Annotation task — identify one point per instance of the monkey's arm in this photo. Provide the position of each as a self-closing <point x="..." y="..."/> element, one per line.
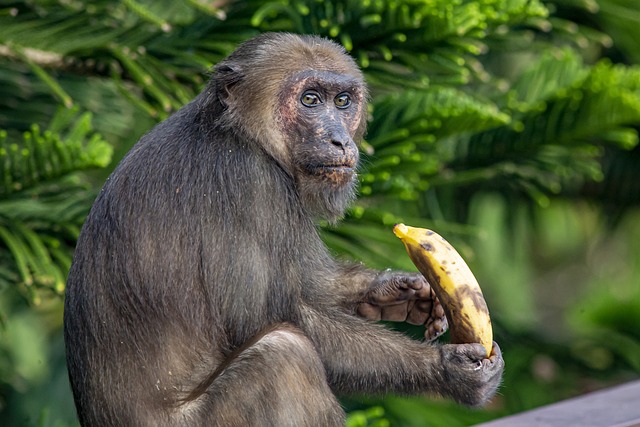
<point x="391" y="296"/>
<point x="363" y="357"/>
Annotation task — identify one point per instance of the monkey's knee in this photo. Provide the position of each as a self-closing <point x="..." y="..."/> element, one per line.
<point x="295" y="380"/>
<point x="291" y="356"/>
<point x="287" y="339"/>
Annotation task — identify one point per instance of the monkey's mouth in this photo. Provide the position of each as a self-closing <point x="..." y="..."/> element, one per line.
<point x="338" y="172"/>
<point x="338" y="168"/>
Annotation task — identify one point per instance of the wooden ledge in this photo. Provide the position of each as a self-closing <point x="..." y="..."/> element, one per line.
<point x="614" y="407"/>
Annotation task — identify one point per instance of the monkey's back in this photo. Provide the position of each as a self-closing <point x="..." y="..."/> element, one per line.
<point x="187" y="249"/>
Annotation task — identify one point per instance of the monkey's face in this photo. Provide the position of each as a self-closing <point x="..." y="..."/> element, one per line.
<point x="303" y="100"/>
<point x="321" y="113"/>
<point x="321" y="116"/>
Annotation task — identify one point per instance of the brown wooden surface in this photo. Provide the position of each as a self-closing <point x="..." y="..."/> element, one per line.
<point x="614" y="407"/>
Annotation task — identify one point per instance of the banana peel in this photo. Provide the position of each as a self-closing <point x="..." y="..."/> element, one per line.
<point x="453" y="282"/>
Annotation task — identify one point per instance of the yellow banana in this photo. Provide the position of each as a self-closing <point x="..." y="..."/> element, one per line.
<point x="453" y="282"/>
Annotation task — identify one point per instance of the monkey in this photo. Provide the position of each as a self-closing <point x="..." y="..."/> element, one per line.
<point x="201" y="293"/>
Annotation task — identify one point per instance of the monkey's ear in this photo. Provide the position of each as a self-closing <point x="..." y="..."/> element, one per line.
<point x="226" y="76"/>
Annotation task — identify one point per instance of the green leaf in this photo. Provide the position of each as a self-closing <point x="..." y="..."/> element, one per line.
<point x="45" y="156"/>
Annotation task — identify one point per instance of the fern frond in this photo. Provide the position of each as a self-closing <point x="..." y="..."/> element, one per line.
<point x="620" y="187"/>
<point x="65" y="202"/>
<point x="417" y="38"/>
<point x="403" y="135"/>
<point x="439" y="111"/>
<point x="42" y="205"/>
<point x="606" y="98"/>
<point x="32" y="256"/>
<point x="555" y="70"/>
<point x="117" y="37"/>
<point x="47" y="155"/>
<point x="621" y="20"/>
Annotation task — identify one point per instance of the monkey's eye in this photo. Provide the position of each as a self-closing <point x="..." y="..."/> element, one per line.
<point x="343" y="100"/>
<point x="310" y="99"/>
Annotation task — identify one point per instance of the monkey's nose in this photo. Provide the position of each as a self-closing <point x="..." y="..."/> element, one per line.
<point x="339" y="142"/>
<point x="340" y="139"/>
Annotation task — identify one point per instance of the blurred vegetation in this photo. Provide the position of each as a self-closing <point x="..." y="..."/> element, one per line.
<point x="510" y="126"/>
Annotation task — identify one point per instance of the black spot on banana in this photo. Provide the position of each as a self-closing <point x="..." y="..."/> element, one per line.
<point x="453" y="283"/>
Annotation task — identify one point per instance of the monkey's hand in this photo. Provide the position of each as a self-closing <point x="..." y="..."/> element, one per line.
<point x="469" y="376"/>
<point x="404" y="297"/>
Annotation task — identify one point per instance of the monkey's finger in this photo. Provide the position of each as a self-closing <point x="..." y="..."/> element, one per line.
<point x="392" y="297"/>
<point x="426" y="306"/>
<point x="435" y="328"/>
<point x="369" y="311"/>
<point x="474" y="352"/>
<point x="494" y="360"/>
<point x="417" y="282"/>
<point x="417" y="317"/>
<point x="394" y="313"/>
<point x="438" y="310"/>
<point x="424" y="293"/>
<point x="496" y="352"/>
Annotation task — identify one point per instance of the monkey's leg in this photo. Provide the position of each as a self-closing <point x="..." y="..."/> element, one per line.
<point x="276" y="380"/>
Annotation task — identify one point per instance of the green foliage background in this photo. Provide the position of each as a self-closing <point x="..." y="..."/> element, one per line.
<point x="510" y="126"/>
